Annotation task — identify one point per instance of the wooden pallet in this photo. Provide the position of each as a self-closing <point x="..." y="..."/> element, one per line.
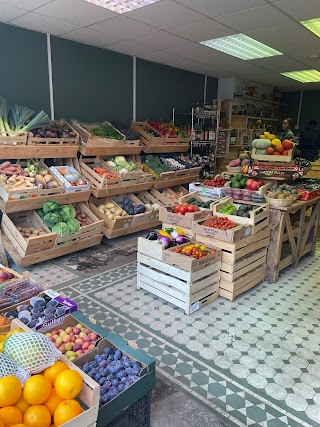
<point x="186" y="290"/>
<point x="50" y="253"/>
<point x="37" y="202"/>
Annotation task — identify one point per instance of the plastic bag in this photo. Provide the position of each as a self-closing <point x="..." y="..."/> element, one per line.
<point x="10" y="367"/>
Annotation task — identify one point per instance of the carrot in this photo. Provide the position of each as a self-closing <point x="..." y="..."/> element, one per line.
<point x="62" y="171"/>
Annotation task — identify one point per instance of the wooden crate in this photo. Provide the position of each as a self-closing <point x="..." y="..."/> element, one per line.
<point x="13" y="138"/>
<point x="166" y="215"/>
<point x="33" y="244"/>
<point x="188" y="263"/>
<point x="55" y="252"/>
<point x="142" y="128"/>
<point x="233" y="235"/>
<point x="174" y="182"/>
<point x="147" y="198"/>
<point x="18" y="193"/>
<point x="133" y="175"/>
<point x="93" y="229"/>
<point x="189" y="291"/>
<point x="232" y="252"/>
<point x="113" y="234"/>
<point x="271" y="158"/>
<point x="100" y="182"/>
<point x="162" y="199"/>
<point x="257" y="221"/>
<point x="163" y="177"/>
<point x="91" y="140"/>
<point x="32" y="140"/>
<point x="89" y="395"/>
<point x="110" y="224"/>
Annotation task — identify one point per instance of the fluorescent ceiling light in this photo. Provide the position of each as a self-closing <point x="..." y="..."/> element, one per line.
<point x="312" y="25"/>
<point x="122" y="6"/>
<point x="241" y="46"/>
<point x="306" y="76"/>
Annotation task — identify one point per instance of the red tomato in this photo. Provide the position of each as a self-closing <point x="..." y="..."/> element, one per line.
<point x="183" y="210"/>
<point x="191" y="208"/>
<point x="176" y="208"/>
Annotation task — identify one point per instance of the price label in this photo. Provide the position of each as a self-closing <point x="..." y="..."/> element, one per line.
<point x="194" y="307"/>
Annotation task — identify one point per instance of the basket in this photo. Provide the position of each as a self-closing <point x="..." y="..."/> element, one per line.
<point x="281" y="203"/>
<point x="234" y="169"/>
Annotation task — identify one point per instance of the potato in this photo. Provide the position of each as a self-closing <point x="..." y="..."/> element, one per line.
<point x="113" y="209"/>
<point x="110" y="216"/>
<point x="109" y="205"/>
<point x="101" y="210"/>
<point x="118" y="212"/>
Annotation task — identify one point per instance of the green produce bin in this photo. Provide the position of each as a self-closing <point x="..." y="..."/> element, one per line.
<point x="132" y="406"/>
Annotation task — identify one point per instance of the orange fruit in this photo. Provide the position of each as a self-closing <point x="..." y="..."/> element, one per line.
<point x="53" y="401"/>
<point x="37" y="416"/>
<point x="66" y="411"/>
<point x="10" y="390"/>
<point x="53" y="371"/>
<point x="36" y="390"/>
<point x="68" y="384"/>
<point x="19" y="425"/>
<point x="11" y="416"/>
<point x="1" y="421"/>
<point x="22" y="405"/>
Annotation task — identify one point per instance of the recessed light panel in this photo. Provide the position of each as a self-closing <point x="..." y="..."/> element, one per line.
<point x="306" y="76"/>
<point x="122" y="6"/>
<point x="241" y="46"/>
<point x="312" y="25"/>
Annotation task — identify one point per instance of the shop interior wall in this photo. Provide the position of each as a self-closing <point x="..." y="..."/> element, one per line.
<point x="90" y="83"/>
<point x="310" y="106"/>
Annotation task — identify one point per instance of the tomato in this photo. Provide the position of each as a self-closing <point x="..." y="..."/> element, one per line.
<point x="176" y="208"/>
<point x="191" y="208"/>
<point x="183" y="210"/>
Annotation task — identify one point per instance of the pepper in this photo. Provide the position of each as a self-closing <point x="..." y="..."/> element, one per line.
<point x="165" y="233"/>
<point x="180" y="231"/>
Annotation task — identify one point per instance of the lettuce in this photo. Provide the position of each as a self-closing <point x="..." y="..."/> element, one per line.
<point x="74" y="226"/>
<point x="67" y="212"/>
<point x="51" y="206"/>
<point x="52" y="218"/>
<point x="61" y="228"/>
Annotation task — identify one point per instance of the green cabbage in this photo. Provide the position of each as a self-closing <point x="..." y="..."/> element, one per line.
<point x="131" y="166"/>
<point x="67" y="212"/>
<point x="52" y="218"/>
<point x="51" y="206"/>
<point x="40" y="213"/>
<point x="61" y="228"/>
<point x="74" y="225"/>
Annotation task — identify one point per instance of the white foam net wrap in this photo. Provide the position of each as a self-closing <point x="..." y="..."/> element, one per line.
<point x="33" y="351"/>
<point x="9" y="367"/>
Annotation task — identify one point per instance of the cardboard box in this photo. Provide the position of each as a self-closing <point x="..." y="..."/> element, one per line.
<point x="166" y="215"/>
<point x="230" y="236"/>
<point x="170" y="256"/>
<point x="206" y="191"/>
<point x="269" y="170"/>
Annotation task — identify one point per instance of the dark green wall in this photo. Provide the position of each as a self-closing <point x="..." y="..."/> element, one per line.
<point x="92" y="84"/>
<point x="24" y="67"/>
<point x="310" y="107"/>
<point x="161" y="88"/>
<point x="89" y="83"/>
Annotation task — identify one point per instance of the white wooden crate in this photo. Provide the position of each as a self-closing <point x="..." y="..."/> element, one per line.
<point x="186" y="290"/>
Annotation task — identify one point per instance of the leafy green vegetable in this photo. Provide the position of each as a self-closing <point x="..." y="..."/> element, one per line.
<point x="51" y="206"/>
<point x="61" y="228"/>
<point x="67" y="212"/>
<point x="74" y="225"/>
<point x="40" y="213"/>
<point x="106" y="131"/>
<point x="52" y="218"/>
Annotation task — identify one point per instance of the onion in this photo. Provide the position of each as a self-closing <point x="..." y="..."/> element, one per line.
<point x="164" y="240"/>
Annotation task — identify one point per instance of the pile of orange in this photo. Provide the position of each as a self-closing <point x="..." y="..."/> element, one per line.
<point x="46" y="400"/>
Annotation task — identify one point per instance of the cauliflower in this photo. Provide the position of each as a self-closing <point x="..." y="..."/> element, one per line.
<point x="120" y="159"/>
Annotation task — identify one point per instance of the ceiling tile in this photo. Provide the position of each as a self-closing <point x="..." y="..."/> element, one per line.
<point x="202" y="30"/>
<point x="26" y="5"/>
<point x="129" y="48"/>
<point x="270" y="35"/>
<point x="300" y="9"/>
<point x="254" y="19"/>
<point x="123" y="27"/>
<point x="221" y="7"/>
<point x="7" y="13"/>
<point x="77" y="12"/>
<point x="161" y="40"/>
<point x="43" y="24"/>
<point x="279" y="64"/>
<point x="300" y="47"/>
<point x="94" y="38"/>
<point x="165" y="15"/>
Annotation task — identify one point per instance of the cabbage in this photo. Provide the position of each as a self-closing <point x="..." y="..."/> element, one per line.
<point x="67" y="212"/>
<point x="131" y="166"/>
<point x="74" y="226"/>
<point x="40" y="213"/>
<point x="120" y="159"/>
<point x="111" y="163"/>
<point x="61" y="228"/>
<point x="123" y="170"/>
<point x="51" y="206"/>
<point x="52" y="218"/>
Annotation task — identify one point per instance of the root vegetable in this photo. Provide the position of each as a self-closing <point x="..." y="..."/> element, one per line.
<point x="5" y="165"/>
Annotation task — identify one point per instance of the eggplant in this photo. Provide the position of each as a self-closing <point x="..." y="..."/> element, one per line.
<point x="139" y="209"/>
<point x="180" y="240"/>
<point x="165" y="241"/>
<point x="153" y="235"/>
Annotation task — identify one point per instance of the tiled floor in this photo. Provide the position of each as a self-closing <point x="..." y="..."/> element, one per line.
<point x="253" y="362"/>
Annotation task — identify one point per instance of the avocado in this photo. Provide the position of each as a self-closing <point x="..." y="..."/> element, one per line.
<point x="239" y="176"/>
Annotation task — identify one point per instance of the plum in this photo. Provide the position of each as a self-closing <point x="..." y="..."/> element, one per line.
<point x="33" y="324"/>
<point x="104" y="399"/>
<point x="103" y="364"/>
<point x="121" y="387"/>
<point x="117" y="355"/>
<point x="107" y="385"/>
<point x="102" y="380"/>
<point x="121" y="374"/>
<point x="114" y="383"/>
<point x="107" y="350"/>
<point x="110" y="377"/>
<point x="103" y="391"/>
<point x="97" y="376"/>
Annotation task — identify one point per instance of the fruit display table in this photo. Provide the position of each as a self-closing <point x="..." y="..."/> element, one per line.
<point x="293" y="235"/>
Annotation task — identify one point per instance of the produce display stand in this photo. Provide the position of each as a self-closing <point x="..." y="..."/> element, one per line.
<point x="51" y="248"/>
<point x="243" y="264"/>
<point x="167" y="148"/>
<point x="293" y="235"/>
